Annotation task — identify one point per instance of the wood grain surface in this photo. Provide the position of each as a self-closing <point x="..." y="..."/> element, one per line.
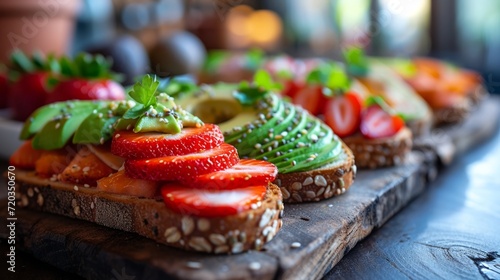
<point x="450" y="232"/>
<point x="325" y="230"/>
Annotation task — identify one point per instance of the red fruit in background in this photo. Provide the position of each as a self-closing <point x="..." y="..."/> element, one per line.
<point x="27" y="94"/>
<point x="343" y="114"/>
<point x="310" y="98"/>
<point x="4" y="91"/>
<point x="292" y="87"/>
<point x="85" y="89"/>
<point x="130" y="145"/>
<point x="247" y="172"/>
<point x="205" y="203"/>
<point x="377" y="123"/>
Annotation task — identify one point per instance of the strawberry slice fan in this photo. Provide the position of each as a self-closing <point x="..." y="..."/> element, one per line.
<point x="201" y="174"/>
<point x="377" y="123"/>
<point x="342" y="114"/>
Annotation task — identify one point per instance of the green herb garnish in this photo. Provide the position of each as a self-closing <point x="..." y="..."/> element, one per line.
<point x="357" y="63"/>
<point x="254" y="58"/>
<point x="214" y="60"/>
<point x="248" y="94"/>
<point x="332" y="77"/>
<point x="155" y="110"/>
<point x="144" y="93"/>
<point x="378" y="100"/>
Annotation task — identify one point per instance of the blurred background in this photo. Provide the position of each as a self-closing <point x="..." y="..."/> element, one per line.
<point x="170" y="37"/>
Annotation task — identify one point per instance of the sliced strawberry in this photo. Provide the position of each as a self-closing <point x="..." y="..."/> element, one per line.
<point x="247" y="172"/>
<point x="85" y="168"/>
<point x="205" y="203"/>
<point x="377" y="123"/>
<point x="120" y="183"/>
<point x="132" y="145"/>
<point x="310" y="98"/>
<point x="184" y="166"/>
<point x="25" y="157"/>
<point x="343" y="114"/>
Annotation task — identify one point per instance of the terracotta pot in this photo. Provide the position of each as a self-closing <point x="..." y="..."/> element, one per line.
<point x="29" y="25"/>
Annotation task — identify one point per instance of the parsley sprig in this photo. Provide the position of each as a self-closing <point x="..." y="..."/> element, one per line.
<point x="144" y="93"/>
<point x="332" y="77"/>
<point x="357" y="63"/>
<point x="248" y="94"/>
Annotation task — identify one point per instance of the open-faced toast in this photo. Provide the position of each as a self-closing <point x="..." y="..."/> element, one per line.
<point x="313" y="163"/>
<point x="147" y="166"/>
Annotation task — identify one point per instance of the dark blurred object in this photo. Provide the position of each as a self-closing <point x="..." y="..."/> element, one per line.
<point x="205" y="19"/>
<point x="137" y="16"/>
<point x="94" y="24"/>
<point x="177" y="54"/>
<point x="234" y="24"/>
<point x="149" y="20"/>
<point x="128" y="54"/>
<point x="32" y="25"/>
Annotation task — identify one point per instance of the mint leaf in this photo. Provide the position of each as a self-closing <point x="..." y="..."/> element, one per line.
<point x="338" y="80"/>
<point x="248" y="96"/>
<point x="334" y="79"/>
<point x="213" y="61"/>
<point x="317" y="76"/>
<point x="135" y="112"/>
<point x="254" y="58"/>
<point x="175" y="88"/>
<point x="244" y="84"/>
<point x="264" y="81"/>
<point x="144" y="92"/>
<point x="357" y="63"/>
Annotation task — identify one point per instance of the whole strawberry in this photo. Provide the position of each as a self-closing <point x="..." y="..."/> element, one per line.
<point x="30" y="90"/>
<point x="86" y="77"/>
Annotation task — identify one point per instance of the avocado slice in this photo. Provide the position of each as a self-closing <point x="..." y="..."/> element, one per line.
<point x="99" y="126"/>
<point x="56" y="133"/>
<point x="168" y="124"/>
<point x="272" y="129"/>
<point x="46" y="113"/>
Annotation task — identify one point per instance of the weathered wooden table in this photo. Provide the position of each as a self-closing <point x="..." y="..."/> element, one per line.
<point x="450" y="231"/>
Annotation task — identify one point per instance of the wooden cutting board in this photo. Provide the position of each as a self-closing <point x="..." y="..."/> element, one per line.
<point x="325" y="230"/>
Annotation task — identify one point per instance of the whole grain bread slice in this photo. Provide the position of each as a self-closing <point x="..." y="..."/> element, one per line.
<point x="381" y="152"/>
<point x="152" y="219"/>
<point x="458" y="112"/>
<point x="321" y="183"/>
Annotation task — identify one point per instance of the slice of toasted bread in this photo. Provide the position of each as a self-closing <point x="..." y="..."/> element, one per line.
<point x="318" y="184"/>
<point x="374" y="153"/>
<point x="400" y="96"/>
<point x="459" y="111"/>
<point x="151" y="218"/>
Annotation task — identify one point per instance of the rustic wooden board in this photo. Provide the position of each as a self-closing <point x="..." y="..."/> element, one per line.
<point x="326" y="230"/>
<point x="448" y="232"/>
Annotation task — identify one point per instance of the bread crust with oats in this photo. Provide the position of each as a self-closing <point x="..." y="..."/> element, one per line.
<point x="150" y="217"/>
